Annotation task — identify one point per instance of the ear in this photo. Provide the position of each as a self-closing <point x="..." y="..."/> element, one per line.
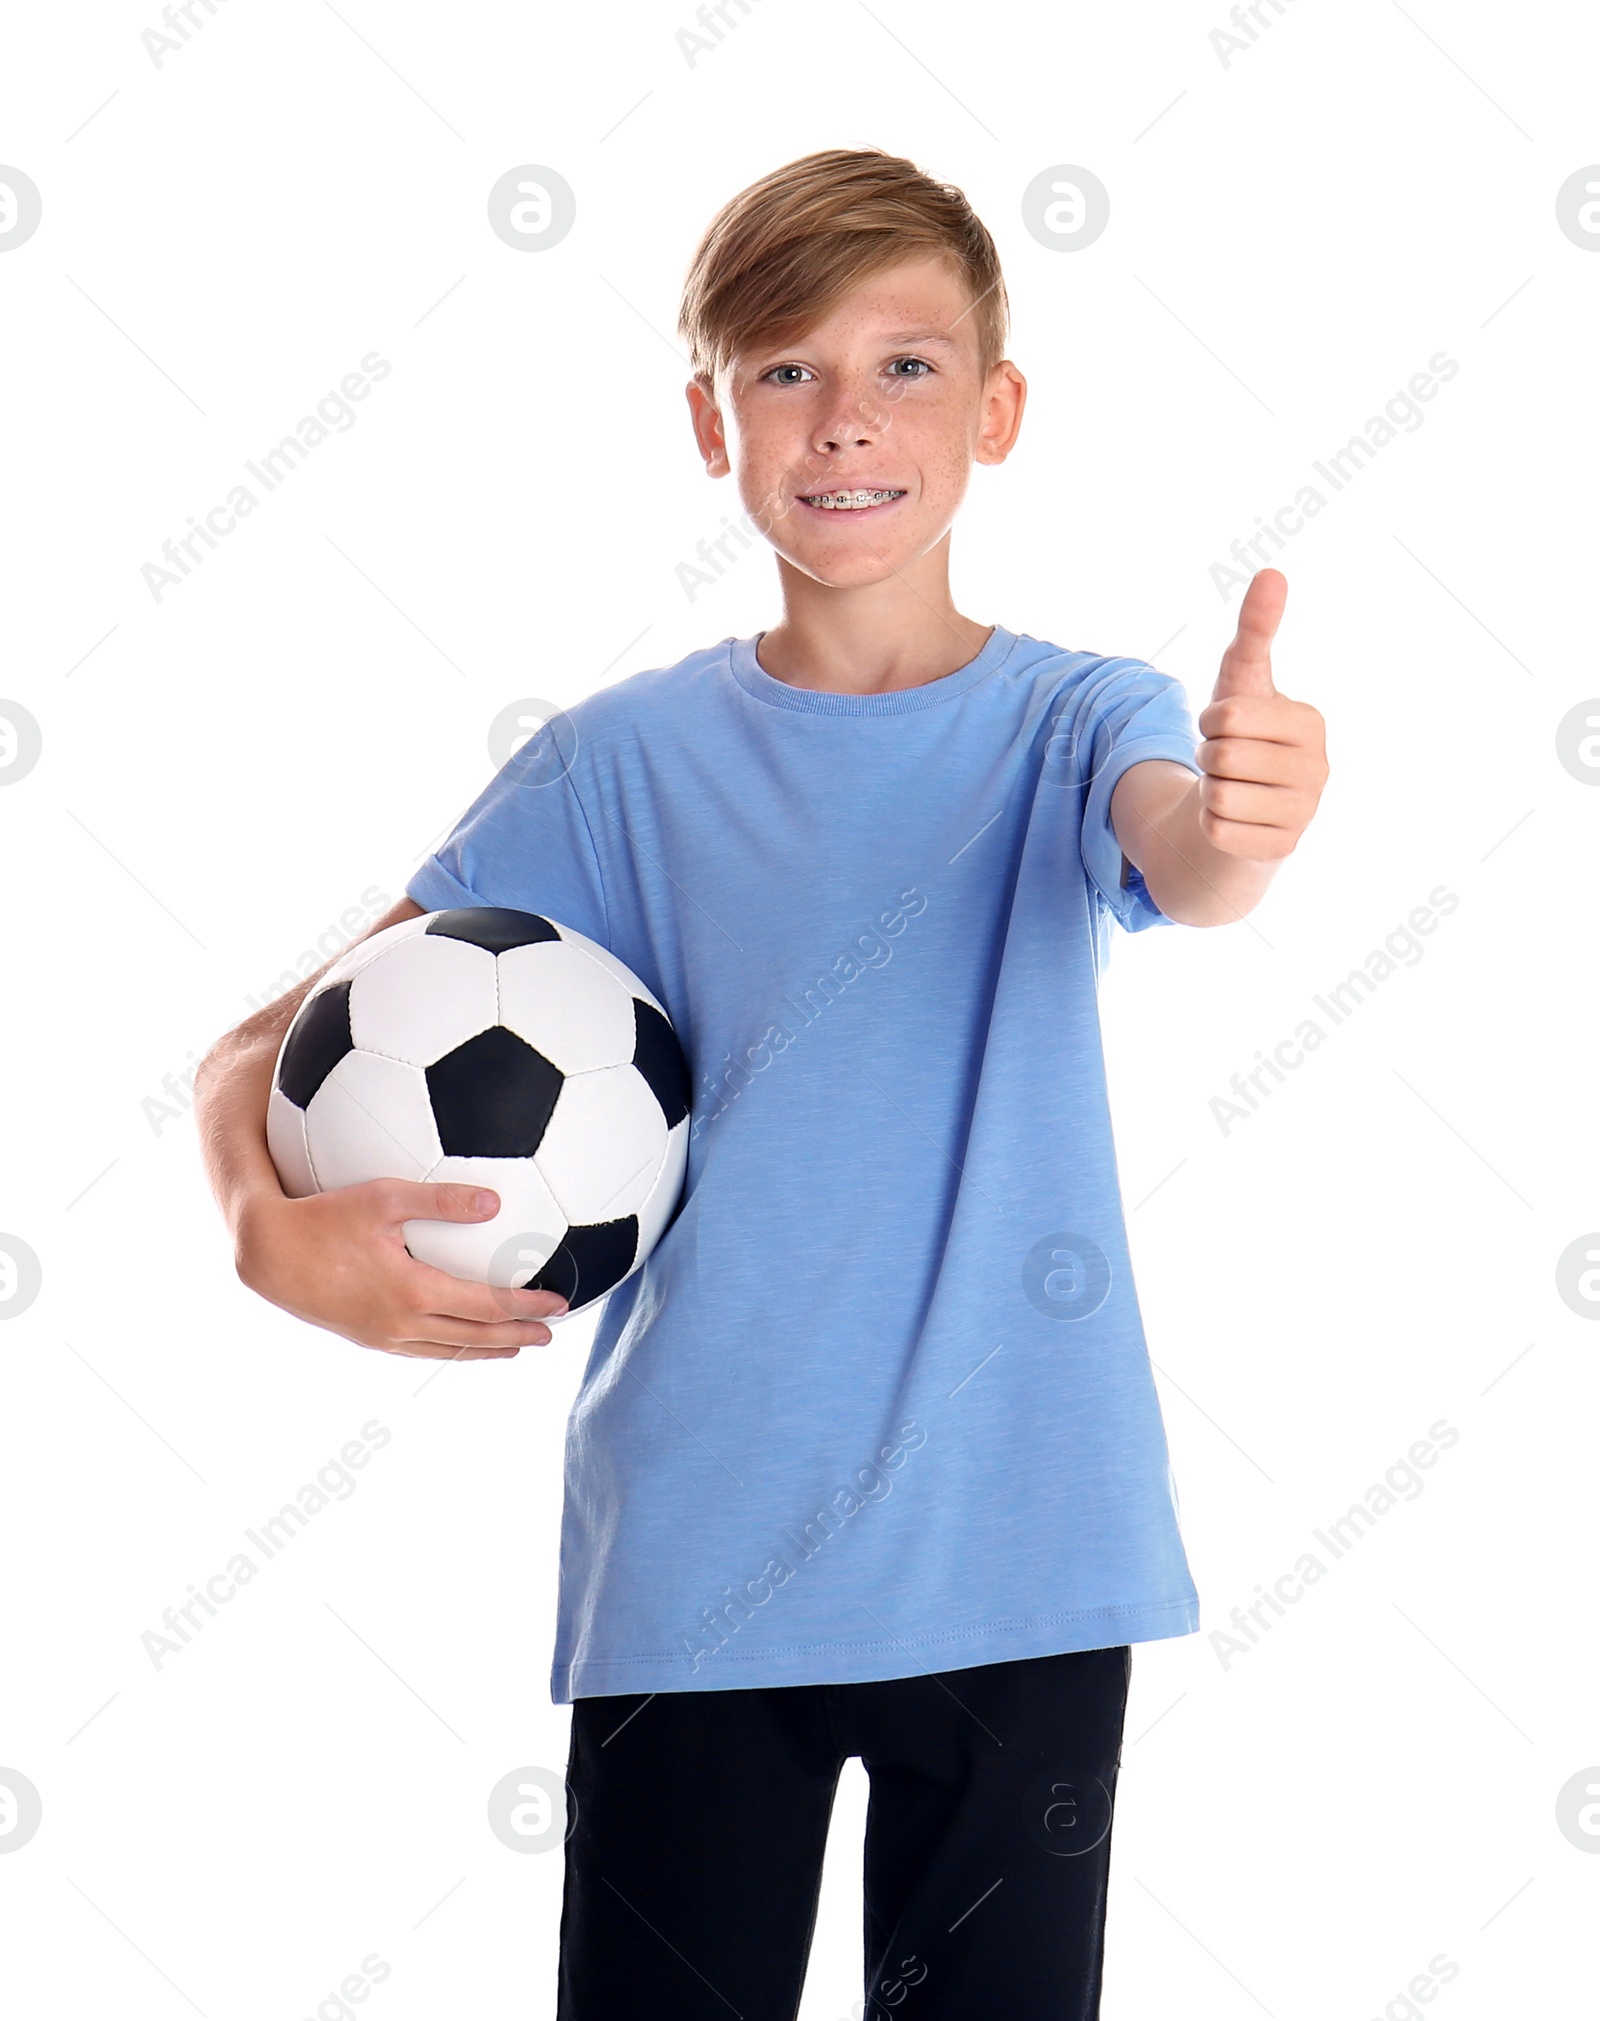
<point x="1005" y="395"/>
<point x="708" y="431"/>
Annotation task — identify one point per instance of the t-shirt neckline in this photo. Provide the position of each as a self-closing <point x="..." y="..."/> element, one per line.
<point x="748" y="671"/>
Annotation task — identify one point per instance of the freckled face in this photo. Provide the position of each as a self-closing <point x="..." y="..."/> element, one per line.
<point x="852" y="447"/>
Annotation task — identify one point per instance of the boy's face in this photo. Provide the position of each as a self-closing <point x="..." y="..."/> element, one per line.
<point x="886" y="395"/>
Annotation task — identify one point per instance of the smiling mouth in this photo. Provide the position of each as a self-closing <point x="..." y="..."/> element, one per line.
<point x="849" y="501"/>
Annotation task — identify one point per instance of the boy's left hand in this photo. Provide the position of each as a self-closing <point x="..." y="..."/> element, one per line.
<point x="1264" y="758"/>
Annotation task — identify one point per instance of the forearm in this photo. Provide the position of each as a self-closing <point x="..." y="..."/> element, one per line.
<point x="230" y="1104"/>
<point x="1190" y="879"/>
<point x="233" y="1082"/>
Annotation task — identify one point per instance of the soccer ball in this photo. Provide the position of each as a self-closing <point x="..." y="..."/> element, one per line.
<point x="493" y="1047"/>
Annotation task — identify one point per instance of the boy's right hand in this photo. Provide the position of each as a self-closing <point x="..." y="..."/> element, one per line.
<point x="339" y="1261"/>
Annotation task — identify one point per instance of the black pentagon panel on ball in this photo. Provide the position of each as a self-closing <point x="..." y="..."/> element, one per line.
<point x="495" y="927"/>
<point x="319" y="1041"/>
<point x="659" y="1057"/>
<point x="590" y="1261"/>
<point x="492" y="1097"/>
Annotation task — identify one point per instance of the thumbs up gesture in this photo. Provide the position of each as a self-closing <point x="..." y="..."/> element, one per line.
<point x="1264" y="759"/>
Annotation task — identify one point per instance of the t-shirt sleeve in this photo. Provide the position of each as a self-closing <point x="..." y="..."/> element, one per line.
<point x="525" y="842"/>
<point x="1130" y="714"/>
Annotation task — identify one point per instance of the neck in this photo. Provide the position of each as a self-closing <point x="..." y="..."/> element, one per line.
<point x="898" y="633"/>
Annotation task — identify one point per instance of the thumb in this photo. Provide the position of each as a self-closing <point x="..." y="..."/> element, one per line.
<point x="1247" y="664"/>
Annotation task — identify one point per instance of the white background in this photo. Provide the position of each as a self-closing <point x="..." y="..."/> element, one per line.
<point x="1294" y="233"/>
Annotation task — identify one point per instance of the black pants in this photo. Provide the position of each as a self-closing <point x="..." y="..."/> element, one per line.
<point x="694" y="1858"/>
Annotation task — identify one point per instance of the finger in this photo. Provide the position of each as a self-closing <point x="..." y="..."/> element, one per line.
<point x="1269" y="719"/>
<point x="438" y="1334"/>
<point x="402" y="1200"/>
<point x="1255" y="842"/>
<point x="1247" y="664"/>
<point x="1249" y="802"/>
<point x="433" y="1200"/>
<point x="463" y="1298"/>
<point x="438" y="1350"/>
<point x="1250" y="758"/>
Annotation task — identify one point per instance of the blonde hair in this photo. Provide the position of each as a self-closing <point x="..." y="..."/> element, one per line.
<point x="781" y="254"/>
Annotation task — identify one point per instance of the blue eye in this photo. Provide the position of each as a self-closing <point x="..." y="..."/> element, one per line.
<point x="926" y="368"/>
<point x="777" y="369"/>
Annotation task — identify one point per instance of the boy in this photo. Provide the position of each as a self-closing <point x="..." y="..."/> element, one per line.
<point x="867" y="1459"/>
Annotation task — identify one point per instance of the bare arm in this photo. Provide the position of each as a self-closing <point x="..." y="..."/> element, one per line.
<point x="1208" y="847"/>
<point x="1157" y="812"/>
<point x="339" y="1259"/>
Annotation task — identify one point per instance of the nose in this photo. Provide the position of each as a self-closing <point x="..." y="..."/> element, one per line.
<point x="852" y="425"/>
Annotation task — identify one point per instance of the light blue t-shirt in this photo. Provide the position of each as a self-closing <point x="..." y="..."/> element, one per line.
<point x="879" y="1403"/>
